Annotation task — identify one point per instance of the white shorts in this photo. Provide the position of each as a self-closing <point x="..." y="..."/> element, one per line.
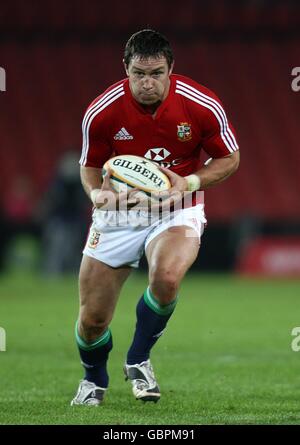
<point x="119" y="239"/>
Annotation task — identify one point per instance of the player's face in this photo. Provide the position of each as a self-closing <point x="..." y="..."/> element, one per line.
<point x="149" y="79"/>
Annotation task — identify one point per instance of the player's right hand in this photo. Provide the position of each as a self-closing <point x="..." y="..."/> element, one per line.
<point x="107" y="198"/>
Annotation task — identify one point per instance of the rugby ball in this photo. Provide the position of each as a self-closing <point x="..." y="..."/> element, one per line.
<point x="136" y="172"/>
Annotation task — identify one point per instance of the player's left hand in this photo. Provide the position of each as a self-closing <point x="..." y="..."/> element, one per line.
<point x="178" y="183"/>
<point x="175" y="194"/>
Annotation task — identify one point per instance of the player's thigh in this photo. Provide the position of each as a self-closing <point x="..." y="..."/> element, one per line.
<point x="100" y="284"/>
<point x="172" y="252"/>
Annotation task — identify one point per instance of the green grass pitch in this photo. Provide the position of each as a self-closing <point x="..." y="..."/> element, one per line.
<point x="225" y="358"/>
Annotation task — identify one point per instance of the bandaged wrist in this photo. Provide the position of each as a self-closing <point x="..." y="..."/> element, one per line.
<point x="193" y="182"/>
<point x="93" y="195"/>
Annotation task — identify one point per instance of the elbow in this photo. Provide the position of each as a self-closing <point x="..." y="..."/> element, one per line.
<point x="235" y="161"/>
<point x="236" y="165"/>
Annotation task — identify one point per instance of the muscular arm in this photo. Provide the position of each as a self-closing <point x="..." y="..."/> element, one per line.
<point x="91" y="179"/>
<point x="214" y="172"/>
<point x="218" y="169"/>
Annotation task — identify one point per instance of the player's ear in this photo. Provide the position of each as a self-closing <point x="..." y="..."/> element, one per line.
<point x="125" y="67"/>
<point x="171" y="68"/>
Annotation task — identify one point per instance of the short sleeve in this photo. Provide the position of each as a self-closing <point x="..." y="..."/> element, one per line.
<point x="95" y="145"/>
<point x="219" y="138"/>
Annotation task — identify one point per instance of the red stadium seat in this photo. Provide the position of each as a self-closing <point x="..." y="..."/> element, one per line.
<point x="50" y="84"/>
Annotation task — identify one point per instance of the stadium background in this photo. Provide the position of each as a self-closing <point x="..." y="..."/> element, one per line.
<point x="58" y="56"/>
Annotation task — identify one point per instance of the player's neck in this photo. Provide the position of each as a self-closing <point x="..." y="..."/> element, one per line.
<point x="152" y="109"/>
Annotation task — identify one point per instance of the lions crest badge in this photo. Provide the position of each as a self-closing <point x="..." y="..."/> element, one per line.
<point x="184" y="131"/>
<point x="93" y="239"/>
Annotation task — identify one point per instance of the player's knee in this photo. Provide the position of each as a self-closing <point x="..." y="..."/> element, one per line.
<point x="164" y="283"/>
<point x="92" y="326"/>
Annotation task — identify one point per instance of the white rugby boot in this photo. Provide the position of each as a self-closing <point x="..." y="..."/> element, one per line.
<point x="144" y="385"/>
<point x="88" y="394"/>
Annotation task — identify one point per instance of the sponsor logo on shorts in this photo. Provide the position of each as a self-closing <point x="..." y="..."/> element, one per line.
<point x="94" y="239"/>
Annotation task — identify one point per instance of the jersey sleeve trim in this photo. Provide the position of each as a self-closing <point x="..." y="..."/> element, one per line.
<point x="208" y="102"/>
<point x="104" y="101"/>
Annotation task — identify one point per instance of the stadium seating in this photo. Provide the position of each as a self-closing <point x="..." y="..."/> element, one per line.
<point x="56" y="16"/>
<point x="51" y="80"/>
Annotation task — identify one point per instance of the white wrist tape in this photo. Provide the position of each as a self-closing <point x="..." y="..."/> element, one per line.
<point x="93" y="195"/>
<point x="193" y="182"/>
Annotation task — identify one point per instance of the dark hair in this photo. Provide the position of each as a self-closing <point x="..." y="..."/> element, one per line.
<point x="148" y="43"/>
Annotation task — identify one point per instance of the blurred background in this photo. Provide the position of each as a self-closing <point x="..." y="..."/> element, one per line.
<point x="232" y="331"/>
<point x="58" y="56"/>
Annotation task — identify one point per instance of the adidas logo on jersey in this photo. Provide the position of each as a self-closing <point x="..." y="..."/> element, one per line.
<point x="123" y="135"/>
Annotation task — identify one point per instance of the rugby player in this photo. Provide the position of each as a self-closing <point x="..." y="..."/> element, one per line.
<point x="168" y="118"/>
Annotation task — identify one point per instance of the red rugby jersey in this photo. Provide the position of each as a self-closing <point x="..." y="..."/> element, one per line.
<point x="191" y="118"/>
